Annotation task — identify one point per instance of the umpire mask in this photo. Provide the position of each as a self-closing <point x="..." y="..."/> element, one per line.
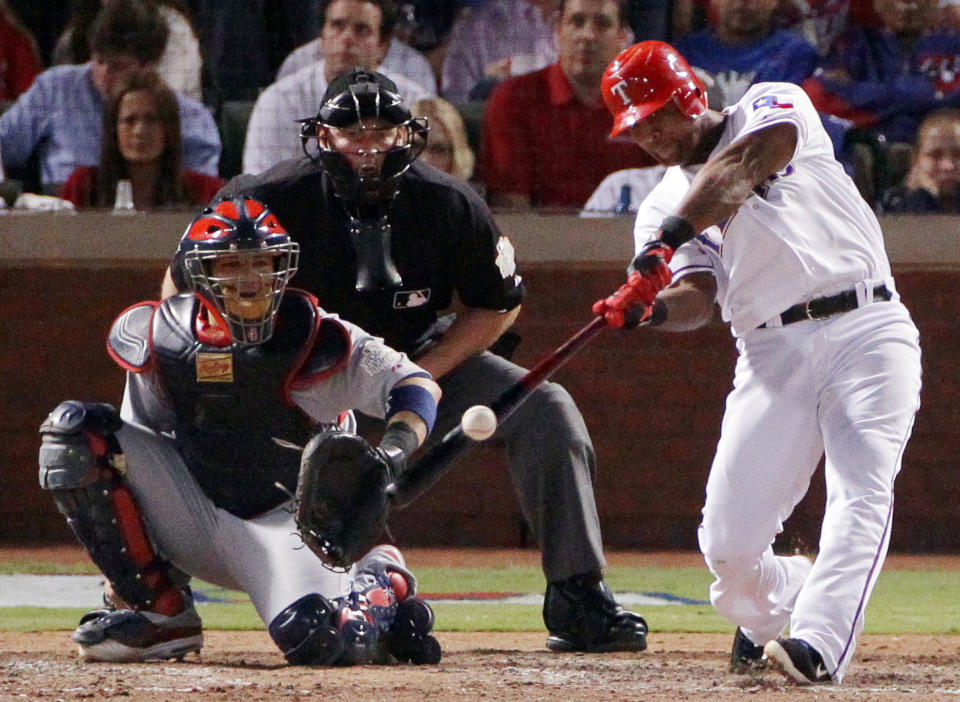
<point x="365" y="138"/>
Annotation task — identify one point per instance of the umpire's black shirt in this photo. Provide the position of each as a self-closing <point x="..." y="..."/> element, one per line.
<point x="444" y="239"/>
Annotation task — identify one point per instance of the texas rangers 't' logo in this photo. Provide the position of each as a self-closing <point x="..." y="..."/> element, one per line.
<point x="620" y="90"/>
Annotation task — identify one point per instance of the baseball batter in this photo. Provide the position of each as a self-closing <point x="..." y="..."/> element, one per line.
<point x="756" y="214"/>
<point x="225" y="382"/>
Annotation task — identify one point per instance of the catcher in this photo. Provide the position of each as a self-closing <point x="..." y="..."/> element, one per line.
<point x="200" y="474"/>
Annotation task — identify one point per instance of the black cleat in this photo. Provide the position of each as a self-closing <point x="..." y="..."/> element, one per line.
<point x="408" y="639"/>
<point x="797" y="660"/>
<point x="581" y="615"/>
<point x="746" y="656"/>
<point x="123" y="635"/>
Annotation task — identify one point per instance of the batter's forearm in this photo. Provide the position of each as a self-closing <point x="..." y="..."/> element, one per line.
<point x="729" y="178"/>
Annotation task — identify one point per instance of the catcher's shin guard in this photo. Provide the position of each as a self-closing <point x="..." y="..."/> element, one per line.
<point x="305" y="632"/>
<point x="82" y="466"/>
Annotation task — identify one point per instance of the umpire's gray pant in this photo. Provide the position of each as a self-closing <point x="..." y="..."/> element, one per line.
<point x="551" y="460"/>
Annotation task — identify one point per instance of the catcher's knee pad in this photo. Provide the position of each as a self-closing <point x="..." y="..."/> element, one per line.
<point x="305" y="633"/>
<point x="82" y="465"/>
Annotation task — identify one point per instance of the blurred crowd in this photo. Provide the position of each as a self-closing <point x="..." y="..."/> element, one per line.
<point x="156" y="103"/>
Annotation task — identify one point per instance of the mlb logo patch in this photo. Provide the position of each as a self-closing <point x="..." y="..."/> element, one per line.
<point x="406" y="299"/>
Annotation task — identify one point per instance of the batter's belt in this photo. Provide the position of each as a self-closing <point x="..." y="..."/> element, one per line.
<point x="824" y="307"/>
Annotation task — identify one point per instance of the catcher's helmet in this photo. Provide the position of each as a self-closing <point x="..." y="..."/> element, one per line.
<point x="247" y="295"/>
<point x="643" y="78"/>
<point x="350" y="102"/>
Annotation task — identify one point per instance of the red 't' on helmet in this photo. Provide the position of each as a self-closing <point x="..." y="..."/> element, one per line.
<point x="643" y="78"/>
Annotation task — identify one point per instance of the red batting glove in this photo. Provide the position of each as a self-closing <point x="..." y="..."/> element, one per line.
<point x="618" y="308"/>
<point x="650" y="275"/>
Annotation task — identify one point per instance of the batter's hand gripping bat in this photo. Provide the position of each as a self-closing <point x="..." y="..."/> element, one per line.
<point x="440" y="459"/>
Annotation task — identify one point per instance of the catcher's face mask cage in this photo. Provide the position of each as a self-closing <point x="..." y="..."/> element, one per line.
<point x="365" y="138"/>
<point x="239" y="259"/>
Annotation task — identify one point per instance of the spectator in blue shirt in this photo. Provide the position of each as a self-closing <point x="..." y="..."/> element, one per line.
<point x="742" y="46"/>
<point x="60" y="118"/>
<point x="887" y="78"/>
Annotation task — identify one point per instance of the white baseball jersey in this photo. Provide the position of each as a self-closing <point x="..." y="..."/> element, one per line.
<point x="846" y="387"/>
<point x="804" y="233"/>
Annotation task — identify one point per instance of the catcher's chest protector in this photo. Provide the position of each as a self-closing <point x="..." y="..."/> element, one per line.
<point x="231" y="403"/>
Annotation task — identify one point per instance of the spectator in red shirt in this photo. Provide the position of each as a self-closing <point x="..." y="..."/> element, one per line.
<point x="141" y="144"/>
<point x="546" y="134"/>
<point x="19" y="59"/>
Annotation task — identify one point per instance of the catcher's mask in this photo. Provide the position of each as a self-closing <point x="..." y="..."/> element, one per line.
<point x="364" y="138"/>
<point x="238" y="258"/>
<point x="643" y="78"/>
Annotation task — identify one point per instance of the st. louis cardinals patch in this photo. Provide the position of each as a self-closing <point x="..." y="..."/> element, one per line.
<point x="377" y="358"/>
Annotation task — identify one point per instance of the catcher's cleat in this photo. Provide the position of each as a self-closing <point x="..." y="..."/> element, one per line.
<point x="368" y="615"/>
<point x="798" y="660"/>
<point x="408" y="639"/>
<point x="581" y="615"/>
<point x="123" y="635"/>
<point x="746" y="656"/>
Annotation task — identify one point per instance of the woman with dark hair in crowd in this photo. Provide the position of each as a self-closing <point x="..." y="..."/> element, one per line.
<point x="141" y="144"/>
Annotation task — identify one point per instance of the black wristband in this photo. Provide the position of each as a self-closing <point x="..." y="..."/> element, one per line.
<point x="658" y="315"/>
<point x="675" y="231"/>
<point x="400" y="435"/>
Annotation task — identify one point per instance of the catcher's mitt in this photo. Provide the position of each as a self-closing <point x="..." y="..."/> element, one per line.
<point x="341" y="500"/>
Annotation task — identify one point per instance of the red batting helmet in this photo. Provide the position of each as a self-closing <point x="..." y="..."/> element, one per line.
<point x="643" y="78"/>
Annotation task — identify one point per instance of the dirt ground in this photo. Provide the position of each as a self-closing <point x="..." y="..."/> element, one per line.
<point x="496" y="666"/>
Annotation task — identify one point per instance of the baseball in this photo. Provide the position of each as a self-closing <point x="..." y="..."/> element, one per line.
<point x="479" y="422"/>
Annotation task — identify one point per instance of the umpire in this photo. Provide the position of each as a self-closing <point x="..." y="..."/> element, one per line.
<point x="413" y="255"/>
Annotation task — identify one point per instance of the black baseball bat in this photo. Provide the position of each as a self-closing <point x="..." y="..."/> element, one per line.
<point x="440" y="458"/>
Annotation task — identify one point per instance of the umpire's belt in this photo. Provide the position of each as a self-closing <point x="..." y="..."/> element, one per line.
<point x="824" y="307"/>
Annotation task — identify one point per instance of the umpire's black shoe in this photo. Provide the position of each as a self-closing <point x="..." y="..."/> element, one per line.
<point x="797" y="660"/>
<point x="746" y="656"/>
<point x="581" y="615"/>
